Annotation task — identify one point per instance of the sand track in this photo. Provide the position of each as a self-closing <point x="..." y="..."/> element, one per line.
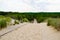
<point x="27" y="32"/>
<point x="33" y="31"/>
<point x="49" y="33"/>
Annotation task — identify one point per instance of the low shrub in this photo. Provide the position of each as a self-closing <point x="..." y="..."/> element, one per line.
<point x="8" y="20"/>
<point x="25" y="20"/>
<point x="16" y="22"/>
<point x="54" y="22"/>
<point x="40" y="19"/>
<point x="3" y="23"/>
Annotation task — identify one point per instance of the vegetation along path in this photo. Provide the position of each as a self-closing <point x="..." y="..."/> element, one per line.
<point x="33" y="31"/>
<point x="49" y="33"/>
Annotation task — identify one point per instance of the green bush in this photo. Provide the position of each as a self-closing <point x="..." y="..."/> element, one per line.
<point x="40" y="19"/>
<point x="2" y="16"/>
<point x="16" y="22"/>
<point x="3" y="23"/>
<point x="25" y="20"/>
<point x="8" y="20"/>
<point x="54" y="22"/>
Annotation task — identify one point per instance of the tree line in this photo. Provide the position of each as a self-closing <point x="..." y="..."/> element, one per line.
<point x="39" y="16"/>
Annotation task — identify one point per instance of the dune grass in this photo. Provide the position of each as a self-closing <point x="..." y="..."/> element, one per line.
<point x="54" y="22"/>
<point x="4" y="21"/>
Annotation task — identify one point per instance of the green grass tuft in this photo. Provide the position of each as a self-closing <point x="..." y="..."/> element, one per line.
<point x="54" y="22"/>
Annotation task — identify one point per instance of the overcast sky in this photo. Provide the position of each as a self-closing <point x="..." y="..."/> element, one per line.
<point x="30" y="5"/>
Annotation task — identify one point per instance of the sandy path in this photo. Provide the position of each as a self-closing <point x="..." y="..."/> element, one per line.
<point x="33" y="31"/>
<point x="49" y="33"/>
<point x="10" y="28"/>
<point x="27" y="32"/>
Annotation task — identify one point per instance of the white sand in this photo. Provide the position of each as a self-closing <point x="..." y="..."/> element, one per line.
<point x="27" y="32"/>
<point x="49" y="33"/>
<point x="33" y="31"/>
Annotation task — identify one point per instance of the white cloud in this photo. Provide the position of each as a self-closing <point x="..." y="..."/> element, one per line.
<point x="16" y="5"/>
<point x="29" y="5"/>
<point x="39" y="1"/>
<point x="52" y="8"/>
<point x="53" y="1"/>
